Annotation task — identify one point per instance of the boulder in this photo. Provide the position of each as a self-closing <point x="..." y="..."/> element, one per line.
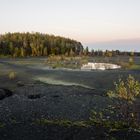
<point x="20" y="84"/>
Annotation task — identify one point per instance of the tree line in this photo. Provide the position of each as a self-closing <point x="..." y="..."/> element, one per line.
<point x="37" y="44"/>
<point x="108" y="53"/>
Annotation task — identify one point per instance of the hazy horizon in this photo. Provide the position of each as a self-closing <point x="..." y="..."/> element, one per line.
<point x="110" y="24"/>
<point x="122" y="45"/>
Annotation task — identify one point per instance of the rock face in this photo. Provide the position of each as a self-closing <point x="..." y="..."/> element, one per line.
<point x="99" y="66"/>
<point x="5" y="93"/>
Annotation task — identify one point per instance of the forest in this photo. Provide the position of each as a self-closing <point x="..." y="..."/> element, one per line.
<point x="37" y="44"/>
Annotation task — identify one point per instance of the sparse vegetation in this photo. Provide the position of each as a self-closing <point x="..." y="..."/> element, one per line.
<point x="66" y="62"/>
<point x="120" y="115"/>
<point x="65" y="123"/>
<point x="126" y="92"/>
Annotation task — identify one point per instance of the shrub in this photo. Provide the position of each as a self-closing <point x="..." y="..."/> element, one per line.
<point x="126" y="93"/>
<point x="12" y="75"/>
<point x="131" y="61"/>
<point x="126" y="90"/>
<point x="122" y="113"/>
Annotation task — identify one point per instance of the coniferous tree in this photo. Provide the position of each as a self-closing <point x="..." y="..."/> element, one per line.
<point x="36" y="44"/>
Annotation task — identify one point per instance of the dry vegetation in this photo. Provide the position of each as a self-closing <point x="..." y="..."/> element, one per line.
<point x="12" y="75"/>
<point x="62" y="61"/>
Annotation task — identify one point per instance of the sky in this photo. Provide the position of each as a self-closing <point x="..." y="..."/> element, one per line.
<point x="99" y="24"/>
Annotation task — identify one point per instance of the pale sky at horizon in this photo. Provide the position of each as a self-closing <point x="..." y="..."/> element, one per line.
<point x="88" y="21"/>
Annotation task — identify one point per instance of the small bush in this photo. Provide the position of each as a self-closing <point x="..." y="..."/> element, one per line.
<point x="12" y="75"/>
<point x="125" y="93"/>
<point x="131" y="61"/>
<point x="122" y="114"/>
<point x="126" y="90"/>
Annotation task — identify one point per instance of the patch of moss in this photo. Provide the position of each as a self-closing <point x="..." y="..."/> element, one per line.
<point x="2" y="125"/>
<point x="65" y="123"/>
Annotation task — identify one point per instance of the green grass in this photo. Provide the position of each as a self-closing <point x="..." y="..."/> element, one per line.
<point x="111" y="125"/>
<point x="135" y="67"/>
<point x="65" y="123"/>
<point x="2" y="125"/>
